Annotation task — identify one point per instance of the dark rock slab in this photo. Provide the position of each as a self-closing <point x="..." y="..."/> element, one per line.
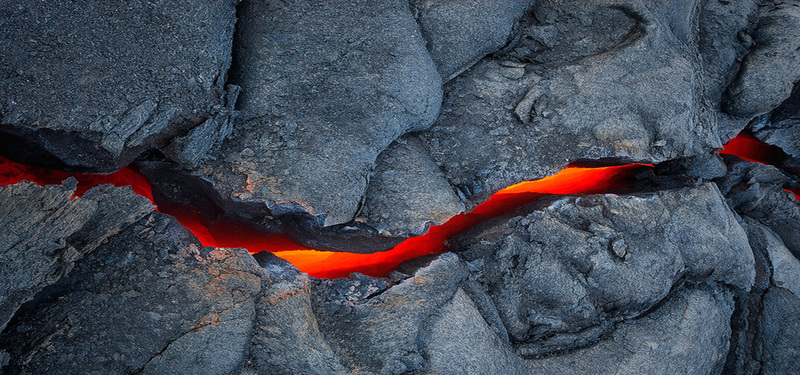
<point x="688" y="334"/>
<point x="780" y="328"/>
<point x="774" y="326"/>
<point x="459" y="33"/>
<point x="757" y="191"/>
<point x="94" y="84"/>
<point x="321" y="98"/>
<point x="45" y="232"/>
<point x="149" y="300"/>
<point x="287" y="339"/>
<point x="378" y="327"/>
<point x="772" y="67"/>
<point x="407" y="192"/>
<point x="560" y="277"/>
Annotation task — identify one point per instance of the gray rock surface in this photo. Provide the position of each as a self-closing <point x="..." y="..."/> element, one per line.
<point x="94" y="84"/>
<point x="381" y="329"/>
<point x="685" y="335"/>
<point x="560" y="277"/>
<point x="149" y="300"/>
<point x="688" y="334"/>
<point x="572" y="89"/>
<point x="287" y="338"/>
<point x="45" y="232"/>
<point x="772" y="67"/>
<point x="459" y="33"/>
<point x="394" y="206"/>
<point x="320" y="100"/>
<point x="756" y="191"/>
<point x="780" y="328"/>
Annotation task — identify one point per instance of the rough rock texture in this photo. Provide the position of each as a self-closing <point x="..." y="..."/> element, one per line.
<point x="45" y="232"/>
<point x="459" y="33"/>
<point x="780" y="328"/>
<point x="149" y="300"/>
<point x="94" y="83"/>
<point x="561" y="277"/>
<point x="382" y="329"/>
<point x="756" y="191"/>
<point x="772" y="66"/>
<point x="768" y="326"/>
<point x="338" y="140"/>
<point x="320" y="100"/>
<point x="572" y="89"/>
<point x="781" y="127"/>
<point x="394" y="206"/>
<point x="287" y="339"/>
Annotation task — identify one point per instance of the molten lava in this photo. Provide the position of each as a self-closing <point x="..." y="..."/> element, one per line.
<point x="330" y="264"/>
<point x="12" y="172"/>
<point x="225" y="232"/>
<point x="748" y="147"/>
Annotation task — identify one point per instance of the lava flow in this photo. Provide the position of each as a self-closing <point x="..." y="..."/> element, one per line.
<point x="329" y="264"/>
<point x="748" y="147"/>
<point x="12" y="172"/>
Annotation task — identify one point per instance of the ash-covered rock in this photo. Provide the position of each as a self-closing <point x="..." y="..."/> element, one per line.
<point x="45" y="232"/>
<point x="94" y="84"/>
<point x="321" y="98"/>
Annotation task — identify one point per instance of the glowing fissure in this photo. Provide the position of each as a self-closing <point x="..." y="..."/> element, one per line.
<point x="224" y="232"/>
<point x="748" y="147"/>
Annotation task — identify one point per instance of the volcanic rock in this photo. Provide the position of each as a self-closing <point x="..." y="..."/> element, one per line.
<point x="770" y="70"/>
<point x="320" y="100"/>
<point x="151" y="299"/>
<point x="756" y="191"/>
<point x="394" y="206"/>
<point x="287" y="338"/>
<point x="382" y="329"/>
<point x="45" y="232"/>
<point x="95" y="84"/>
<point x="572" y="88"/>
<point x="560" y="277"/>
<point x="460" y="33"/>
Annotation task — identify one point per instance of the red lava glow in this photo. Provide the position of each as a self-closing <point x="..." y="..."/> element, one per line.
<point x="12" y="172"/>
<point x="330" y="264"/>
<point x="224" y="232"/>
<point x="749" y="148"/>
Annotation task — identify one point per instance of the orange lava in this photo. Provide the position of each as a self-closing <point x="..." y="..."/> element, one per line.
<point x="330" y="264"/>
<point x="12" y="172"/>
<point x="224" y="232"/>
<point x="749" y="148"/>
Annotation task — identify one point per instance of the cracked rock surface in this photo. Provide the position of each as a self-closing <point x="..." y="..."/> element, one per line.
<point x="352" y="124"/>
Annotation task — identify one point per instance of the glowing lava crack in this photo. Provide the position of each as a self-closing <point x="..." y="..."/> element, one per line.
<point x="329" y="264"/>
